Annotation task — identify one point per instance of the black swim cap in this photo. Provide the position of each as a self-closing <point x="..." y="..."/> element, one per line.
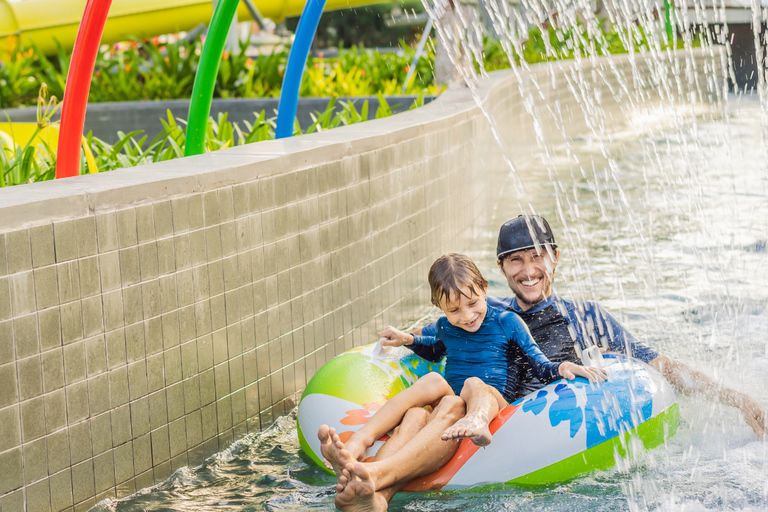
<point x="516" y="235"/>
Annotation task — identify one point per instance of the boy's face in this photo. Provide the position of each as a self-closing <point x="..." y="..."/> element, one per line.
<point x="467" y="311"/>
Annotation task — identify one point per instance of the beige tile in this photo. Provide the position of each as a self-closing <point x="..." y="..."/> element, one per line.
<point x="145" y="223"/>
<point x="228" y="239"/>
<point x="130" y="272"/>
<point x="182" y="252"/>
<point x="218" y="312"/>
<point x="197" y="248"/>
<point x="30" y="377"/>
<point x="85" y="236"/>
<point x="90" y="284"/>
<point x="8" y="385"/>
<point x="123" y="458"/>
<point x="221" y="377"/>
<point x="161" y="450"/>
<point x="172" y="365"/>
<point x="77" y="402"/>
<point x="150" y="294"/>
<point x="38" y="497"/>
<point x="240" y="199"/>
<point x="185" y="292"/>
<point x="191" y="394"/>
<point x="61" y="490"/>
<point x="98" y="394"/>
<point x="209" y="421"/>
<point x="167" y="287"/>
<point x="126" y="227"/>
<point x="137" y="379"/>
<point x="132" y="304"/>
<point x="3" y="256"/>
<point x="58" y="451"/>
<point x="215" y="278"/>
<point x="211" y="208"/>
<point x="166" y="256"/>
<point x="69" y="281"/>
<point x="22" y="293"/>
<point x="207" y="387"/>
<point x="74" y="362"/>
<point x="170" y="329"/>
<point x="104" y="471"/>
<point x="101" y="433"/>
<point x="194" y="429"/>
<point x="118" y="386"/>
<point x="139" y="417"/>
<point x="115" y="347"/>
<point x="155" y="373"/>
<point x="32" y="419"/>
<point x="202" y="318"/>
<point x="55" y="410"/>
<point x="65" y="241"/>
<point x="175" y="400"/>
<point x="148" y="261"/>
<point x="142" y="454"/>
<point x="120" y="418"/>
<point x="93" y="315"/>
<point x="71" y="322"/>
<point x="180" y="214"/>
<point x="82" y="481"/>
<point x="80" y="442"/>
<point x="5" y="299"/>
<point x="106" y="231"/>
<point x="112" y="303"/>
<point x="19" y="251"/>
<point x="25" y="336"/>
<point x="50" y="328"/>
<point x="10" y="428"/>
<point x="200" y="282"/>
<point x="163" y="218"/>
<point x="109" y="271"/>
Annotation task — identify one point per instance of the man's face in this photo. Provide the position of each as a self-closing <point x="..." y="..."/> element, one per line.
<point x="529" y="274"/>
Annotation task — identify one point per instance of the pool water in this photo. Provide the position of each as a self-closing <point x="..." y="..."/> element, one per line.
<point x="668" y="229"/>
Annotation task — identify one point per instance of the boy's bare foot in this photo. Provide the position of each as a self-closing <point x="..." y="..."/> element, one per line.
<point x="475" y="427"/>
<point x="333" y="449"/>
<point x="359" y="491"/>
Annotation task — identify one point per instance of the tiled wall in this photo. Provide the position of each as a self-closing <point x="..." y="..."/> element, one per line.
<point x="150" y="317"/>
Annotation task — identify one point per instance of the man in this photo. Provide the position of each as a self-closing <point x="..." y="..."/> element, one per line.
<point x="527" y="256"/>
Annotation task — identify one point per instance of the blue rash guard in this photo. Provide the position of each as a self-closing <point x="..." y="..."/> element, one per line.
<point x="487" y="353"/>
<point x="557" y="324"/>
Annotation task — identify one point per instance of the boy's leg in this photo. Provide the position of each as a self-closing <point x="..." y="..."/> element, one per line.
<point x="483" y="404"/>
<point x="425" y="391"/>
<point x="362" y="485"/>
<point x="364" y="497"/>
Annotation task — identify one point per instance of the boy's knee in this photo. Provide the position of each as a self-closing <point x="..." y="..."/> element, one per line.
<point x="451" y="406"/>
<point x="414" y="420"/>
<point x="437" y="384"/>
<point x="472" y="384"/>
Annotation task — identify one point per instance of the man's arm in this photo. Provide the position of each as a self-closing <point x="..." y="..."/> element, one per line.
<point x="688" y="380"/>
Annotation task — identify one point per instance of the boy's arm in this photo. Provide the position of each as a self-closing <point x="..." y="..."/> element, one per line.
<point x="516" y="330"/>
<point x="428" y="347"/>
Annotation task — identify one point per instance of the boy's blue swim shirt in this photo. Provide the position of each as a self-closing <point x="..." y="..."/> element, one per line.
<point x="486" y="353"/>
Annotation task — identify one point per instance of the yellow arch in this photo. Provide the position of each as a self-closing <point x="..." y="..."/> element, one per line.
<point x="44" y="21"/>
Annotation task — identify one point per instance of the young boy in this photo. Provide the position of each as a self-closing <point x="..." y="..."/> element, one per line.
<point x="476" y="340"/>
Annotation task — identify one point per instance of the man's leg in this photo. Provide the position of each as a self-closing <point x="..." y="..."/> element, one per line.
<point x="428" y="390"/>
<point x="369" y="486"/>
<point x="483" y="404"/>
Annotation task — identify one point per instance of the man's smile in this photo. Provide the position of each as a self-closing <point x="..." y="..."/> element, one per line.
<point x="531" y="282"/>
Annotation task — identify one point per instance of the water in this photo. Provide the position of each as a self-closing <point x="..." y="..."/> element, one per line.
<point x="669" y="231"/>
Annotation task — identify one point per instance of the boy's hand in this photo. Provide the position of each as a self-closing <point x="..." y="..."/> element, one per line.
<point x="395" y="338"/>
<point x="570" y="371"/>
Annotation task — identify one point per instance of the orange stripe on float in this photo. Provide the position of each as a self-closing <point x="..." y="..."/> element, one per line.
<point x="438" y="479"/>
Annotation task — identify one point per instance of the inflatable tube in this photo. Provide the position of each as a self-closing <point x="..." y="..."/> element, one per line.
<point x="554" y="434"/>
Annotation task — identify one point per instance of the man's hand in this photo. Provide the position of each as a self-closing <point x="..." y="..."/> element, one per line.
<point x="570" y="371"/>
<point x="687" y="380"/>
<point x="395" y="338"/>
<point x="754" y="414"/>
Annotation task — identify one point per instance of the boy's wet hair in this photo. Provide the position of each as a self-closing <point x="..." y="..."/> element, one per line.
<point x="449" y="273"/>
